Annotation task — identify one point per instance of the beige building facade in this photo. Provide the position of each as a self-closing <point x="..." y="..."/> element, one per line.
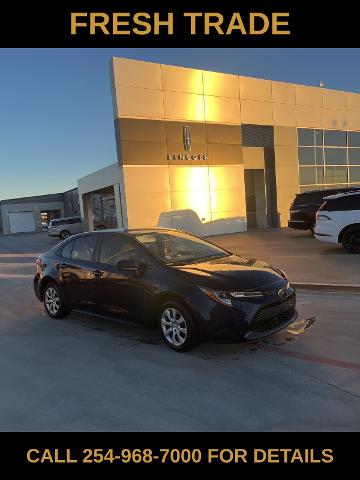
<point x="218" y="153"/>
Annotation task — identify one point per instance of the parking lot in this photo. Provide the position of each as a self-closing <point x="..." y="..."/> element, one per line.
<point x="87" y="373"/>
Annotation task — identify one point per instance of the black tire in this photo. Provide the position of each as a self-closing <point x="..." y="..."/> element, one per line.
<point x="182" y="320"/>
<point x="64" y="234"/>
<point x="351" y="240"/>
<point x="59" y="308"/>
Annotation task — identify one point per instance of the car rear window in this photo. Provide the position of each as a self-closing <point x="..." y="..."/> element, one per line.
<point x="84" y="248"/>
<point x="67" y="249"/>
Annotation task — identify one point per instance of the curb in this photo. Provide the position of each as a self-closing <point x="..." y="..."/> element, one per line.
<point x="326" y="287"/>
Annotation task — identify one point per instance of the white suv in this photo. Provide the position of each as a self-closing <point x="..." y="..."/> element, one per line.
<point x="64" y="227"/>
<point x="338" y="221"/>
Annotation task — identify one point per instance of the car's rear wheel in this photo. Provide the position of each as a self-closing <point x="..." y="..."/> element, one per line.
<point x="351" y="240"/>
<point x="177" y="327"/>
<point x="54" y="301"/>
<point x="64" y="234"/>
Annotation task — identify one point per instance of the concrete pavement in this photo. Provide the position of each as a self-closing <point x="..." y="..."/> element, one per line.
<point x="301" y="256"/>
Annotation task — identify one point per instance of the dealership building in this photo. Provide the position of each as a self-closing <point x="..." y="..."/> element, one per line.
<point x="218" y="153"/>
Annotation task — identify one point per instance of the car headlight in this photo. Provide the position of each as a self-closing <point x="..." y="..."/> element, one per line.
<point x="226" y="297"/>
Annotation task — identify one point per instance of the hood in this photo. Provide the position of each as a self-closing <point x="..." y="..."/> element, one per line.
<point x="235" y="273"/>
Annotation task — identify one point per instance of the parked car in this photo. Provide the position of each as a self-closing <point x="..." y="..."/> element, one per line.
<point x="190" y="288"/>
<point x="304" y="207"/>
<point x="338" y="221"/>
<point x="64" y="227"/>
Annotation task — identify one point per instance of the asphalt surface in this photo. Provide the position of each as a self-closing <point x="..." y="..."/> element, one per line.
<point x="86" y="373"/>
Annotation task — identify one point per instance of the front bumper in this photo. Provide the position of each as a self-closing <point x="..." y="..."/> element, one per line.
<point x="247" y="320"/>
<point x="326" y="231"/>
<point x="36" y="285"/>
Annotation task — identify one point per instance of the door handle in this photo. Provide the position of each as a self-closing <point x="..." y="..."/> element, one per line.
<point x="96" y="274"/>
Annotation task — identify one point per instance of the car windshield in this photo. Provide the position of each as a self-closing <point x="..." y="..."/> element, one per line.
<point x="179" y="248"/>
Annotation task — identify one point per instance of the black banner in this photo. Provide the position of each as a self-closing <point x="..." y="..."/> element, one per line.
<point x="226" y="452"/>
<point x="141" y="23"/>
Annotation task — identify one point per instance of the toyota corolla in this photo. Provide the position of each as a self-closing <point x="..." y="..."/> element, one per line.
<point x="189" y="288"/>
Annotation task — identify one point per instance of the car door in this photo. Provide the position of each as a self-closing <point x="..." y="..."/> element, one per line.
<point x="77" y="271"/>
<point x="120" y="279"/>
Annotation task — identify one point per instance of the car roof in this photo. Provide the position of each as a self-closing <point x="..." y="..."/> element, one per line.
<point x="340" y="189"/>
<point x="131" y="231"/>
<point x="65" y="218"/>
<point x="342" y="195"/>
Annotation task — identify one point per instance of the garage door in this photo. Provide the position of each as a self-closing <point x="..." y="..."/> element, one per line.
<point x="21" y="222"/>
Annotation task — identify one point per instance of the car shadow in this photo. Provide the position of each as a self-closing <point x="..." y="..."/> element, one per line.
<point x="131" y="333"/>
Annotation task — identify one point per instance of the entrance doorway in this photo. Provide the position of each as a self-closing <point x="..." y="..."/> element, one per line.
<point x="255" y="193"/>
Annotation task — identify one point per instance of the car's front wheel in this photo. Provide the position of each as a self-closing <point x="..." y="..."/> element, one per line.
<point x="351" y="240"/>
<point x="177" y="327"/>
<point x="54" y="301"/>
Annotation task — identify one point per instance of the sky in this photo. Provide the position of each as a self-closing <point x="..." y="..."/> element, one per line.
<point x="56" y="119"/>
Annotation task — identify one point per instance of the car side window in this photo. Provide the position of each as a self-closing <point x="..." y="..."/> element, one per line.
<point x="115" y="248"/>
<point x="84" y="248"/>
<point x="341" y="204"/>
<point x="67" y="249"/>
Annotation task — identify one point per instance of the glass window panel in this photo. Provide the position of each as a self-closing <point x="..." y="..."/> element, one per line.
<point x="320" y="175"/>
<point x="354" y="139"/>
<point x="308" y="188"/>
<point x="307" y="175"/>
<point x="307" y="156"/>
<point x="84" y="248"/>
<point x="306" y="136"/>
<point x="335" y="156"/>
<point x="335" y="138"/>
<point x="336" y="174"/>
<point x="332" y="186"/>
<point x="66" y="251"/>
<point x="354" y="156"/>
<point x="319" y="156"/>
<point x="115" y="248"/>
<point x="354" y="174"/>
<point x="319" y="138"/>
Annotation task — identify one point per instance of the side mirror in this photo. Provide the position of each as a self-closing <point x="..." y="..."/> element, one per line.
<point x="127" y="264"/>
<point x="133" y="266"/>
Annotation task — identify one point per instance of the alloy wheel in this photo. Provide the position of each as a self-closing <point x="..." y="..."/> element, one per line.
<point x="174" y="326"/>
<point x="52" y="300"/>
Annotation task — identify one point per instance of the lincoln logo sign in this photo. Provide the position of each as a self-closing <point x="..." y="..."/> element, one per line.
<point x="187" y="148"/>
<point x="187" y="139"/>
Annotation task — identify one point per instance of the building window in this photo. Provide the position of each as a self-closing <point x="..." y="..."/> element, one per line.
<point x="336" y="175"/>
<point x="103" y="208"/>
<point x="354" y="174"/>
<point x="335" y="156"/>
<point x="328" y="159"/>
<point x="354" y="139"/>
<point x="354" y="156"/>
<point x="334" y="138"/>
